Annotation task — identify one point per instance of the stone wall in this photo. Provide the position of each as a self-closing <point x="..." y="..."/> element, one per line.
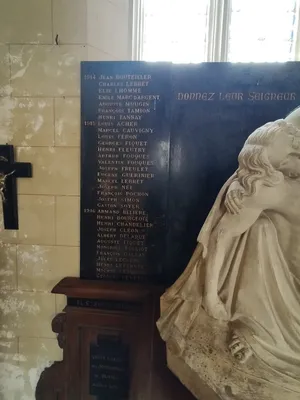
<point x="41" y="45"/>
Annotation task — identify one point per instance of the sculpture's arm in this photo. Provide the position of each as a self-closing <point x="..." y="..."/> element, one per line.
<point x="243" y="210"/>
<point x="232" y="225"/>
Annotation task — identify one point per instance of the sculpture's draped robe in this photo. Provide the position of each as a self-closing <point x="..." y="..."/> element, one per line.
<point x="261" y="294"/>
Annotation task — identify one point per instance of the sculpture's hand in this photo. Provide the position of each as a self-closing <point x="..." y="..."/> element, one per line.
<point x="234" y="198"/>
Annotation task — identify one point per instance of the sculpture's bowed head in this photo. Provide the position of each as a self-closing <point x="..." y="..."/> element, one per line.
<point x="264" y="152"/>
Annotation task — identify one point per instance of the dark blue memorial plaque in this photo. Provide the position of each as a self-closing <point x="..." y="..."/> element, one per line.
<point x="158" y="142"/>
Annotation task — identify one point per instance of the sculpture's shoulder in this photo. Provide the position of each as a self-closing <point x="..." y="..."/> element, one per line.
<point x="239" y="201"/>
<point x="267" y="197"/>
<point x="289" y="204"/>
<point x="271" y="194"/>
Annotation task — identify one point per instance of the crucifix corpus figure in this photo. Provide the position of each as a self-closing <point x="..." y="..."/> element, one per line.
<point x="9" y="171"/>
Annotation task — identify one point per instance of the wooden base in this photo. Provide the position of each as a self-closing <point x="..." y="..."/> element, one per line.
<point x="111" y="347"/>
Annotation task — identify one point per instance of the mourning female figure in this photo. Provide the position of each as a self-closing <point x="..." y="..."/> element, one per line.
<point x="233" y="317"/>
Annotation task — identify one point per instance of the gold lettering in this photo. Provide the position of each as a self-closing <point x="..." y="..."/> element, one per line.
<point x="136" y="143"/>
<point x="134" y="224"/>
<point x="107" y="174"/>
<point x="124" y="97"/>
<point x="107" y="193"/>
<point x="105" y="97"/>
<point x="231" y="96"/>
<point x="108" y="253"/>
<point x="137" y="175"/>
<point x="107" y="117"/>
<point x="129" y="230"/>
<point x="107" y="217"/>
<point x="271" y="96"/>
<point x="110" y="84"/>
<point x="105" y="229"/>
<point x="130" y="199"/>
<point x="108" y="130"/>
<point x="127" y="137"/>
<point x="110" y="110"/>
<point x="108" y="199"/>
<point x="138" y="110"/>
<point x="104" y="90"/>
<point x="108" y="242"/>
<point x="107" y="149"/>
<point x="105" y="77"/>
<point x="108" y="205"/>
<point x="126" y="187"/>
<point x="129" y="117"/>
<point x="108" y="143"/>
<point x="138" y="130"/>
<point x="109" y="181"/>
<point x="134" y="243"/>
<point x="89" y="76"/>
<point x="107" y="162"/>
<point x="107" y="168"/>
<point x="134" y="77"/>
<point x="138" y="194"/>
<point x="133" y="212"/>
<point x="104" y="211"/>
<point x="139" y="83"/>
<point x="105" y="124"/>
<point x="106" y="235"/>
<point x="136" y="156"/>
<point x="147" y="97"/>
<point x="104" y="155"/>
<point x="107" y="187"/>
<point x="132" y="181"/>
<point x="89" y="123"/>
<point x="131" y="206"/>
<point x="130" y="217"/>
<point x="132" y="237"/>
<point x="128" y="90"/>
<point x="193" y="96"/>
<point x="104" y="223"/>
<point x="110" y="104"/>
<point x="128" y="124"/>
<point x="140" y="162"/>
<point x="89" y="211"/>
<point x="137" y="104"/>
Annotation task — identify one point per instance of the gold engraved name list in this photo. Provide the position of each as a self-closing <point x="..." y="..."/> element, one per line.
<point x="124" y="170"/>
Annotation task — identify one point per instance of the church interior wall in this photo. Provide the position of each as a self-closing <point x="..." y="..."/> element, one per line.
<point x="42" y="43"/>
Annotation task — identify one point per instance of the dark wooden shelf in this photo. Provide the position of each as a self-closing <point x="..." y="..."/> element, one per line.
<point x="109" y="308"/>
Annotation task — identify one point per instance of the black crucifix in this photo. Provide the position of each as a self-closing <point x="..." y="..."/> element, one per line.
<point x="11" y="170"/>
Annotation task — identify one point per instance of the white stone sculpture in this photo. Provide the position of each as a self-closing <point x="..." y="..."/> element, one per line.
<point x="232" y="319"/>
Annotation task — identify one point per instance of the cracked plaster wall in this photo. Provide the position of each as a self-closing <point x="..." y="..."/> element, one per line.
<point x="40" y="115"/>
